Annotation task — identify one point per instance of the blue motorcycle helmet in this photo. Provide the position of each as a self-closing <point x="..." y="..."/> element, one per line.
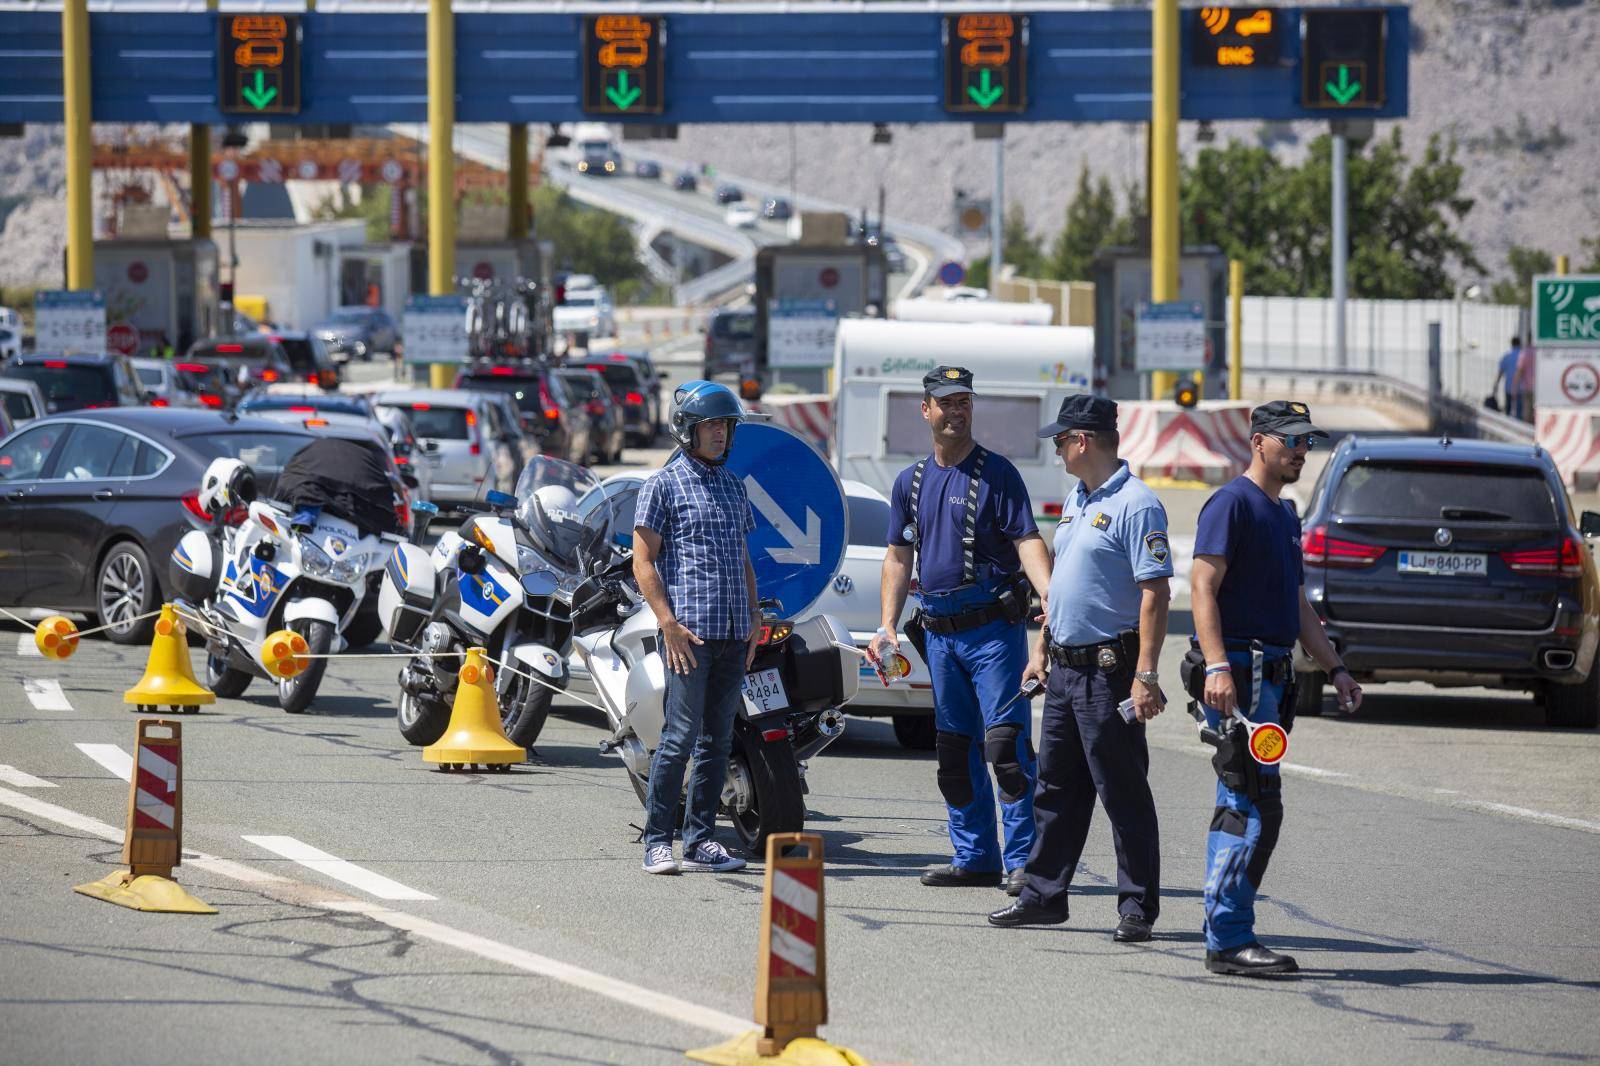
<point x="697" y="401"/>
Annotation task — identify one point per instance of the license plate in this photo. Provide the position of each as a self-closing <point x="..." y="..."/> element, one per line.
<point x="764" y="688"/>
<point x="1444" y="564"/>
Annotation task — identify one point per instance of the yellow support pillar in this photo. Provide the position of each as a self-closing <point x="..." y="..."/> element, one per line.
<point x="517" y="182"/>
<point x="80" y="160"/>
<point x="441" y="163"/>
<point x="1561" y="265"/>
<point x="1235" y="329"/>
<point x="200" y="182"/>
<point x="1164" y="238"/>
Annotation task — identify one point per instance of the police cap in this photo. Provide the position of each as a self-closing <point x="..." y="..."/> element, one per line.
<point x="1085" y="412"/>
<point x="1283" y="418"/>
<point x="944" y="381"/>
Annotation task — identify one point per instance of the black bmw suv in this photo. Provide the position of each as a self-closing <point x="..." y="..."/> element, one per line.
<point x="1457" y="563"/>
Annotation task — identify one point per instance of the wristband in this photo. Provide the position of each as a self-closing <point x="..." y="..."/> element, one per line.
<point x="1337" y="670"/>
<point x="1218" y="668"/>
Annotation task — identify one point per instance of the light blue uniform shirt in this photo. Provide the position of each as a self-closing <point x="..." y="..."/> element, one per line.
<point x="1107" y="542"/>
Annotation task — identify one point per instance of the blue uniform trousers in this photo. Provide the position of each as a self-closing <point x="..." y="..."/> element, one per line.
<point x="1243" y="831"/>
<point x="1086" y="747"/>
<point x="975" y="673"/>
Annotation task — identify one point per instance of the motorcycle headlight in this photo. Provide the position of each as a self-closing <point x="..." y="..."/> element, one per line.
<point x="313" y="560"/>
<point x="359" y="347"/>
<point x="346" y="570"/>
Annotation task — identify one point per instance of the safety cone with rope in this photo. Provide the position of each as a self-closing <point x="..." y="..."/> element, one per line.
<point x="154" y="841"/>
<point x="168" y="676"/>
<point x="475" y="735"/>
<point x="791" y="966"/>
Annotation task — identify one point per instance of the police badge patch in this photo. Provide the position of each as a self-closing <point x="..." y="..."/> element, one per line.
<point x="1101" y="521"/>
<point x="1107" y="659"/>
<point x="1157" y="543"/>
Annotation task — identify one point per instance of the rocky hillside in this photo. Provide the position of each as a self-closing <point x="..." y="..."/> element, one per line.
<point x="1512" y="82"/>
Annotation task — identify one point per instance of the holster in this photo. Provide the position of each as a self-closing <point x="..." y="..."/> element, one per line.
<point x="1013" y="597"/>
<point x="1232" y="762"/>
<point x="1128" y="644"/>
<point x="917" y="635"/>
<point x="1192" y="672"/>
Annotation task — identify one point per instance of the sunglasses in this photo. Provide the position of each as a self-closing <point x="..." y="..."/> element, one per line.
<point x="1294" y="440"/>
<point x="1066" y="438"/>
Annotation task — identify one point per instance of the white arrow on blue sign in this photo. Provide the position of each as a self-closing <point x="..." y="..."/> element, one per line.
<point x="801" y="517"/>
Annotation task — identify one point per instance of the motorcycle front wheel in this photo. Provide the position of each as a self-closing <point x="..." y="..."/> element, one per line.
<point x="524" y="704"/>
<point x="296" y="693"/>
<point x="762" y="793"/>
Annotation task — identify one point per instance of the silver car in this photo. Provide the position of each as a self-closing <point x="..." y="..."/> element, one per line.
<point x="465" y="455"/>
<point x="23" y="401"/>
<point x="162" y="384"/>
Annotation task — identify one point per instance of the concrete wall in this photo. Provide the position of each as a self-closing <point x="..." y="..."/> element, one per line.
<point x="1071" y="302"/>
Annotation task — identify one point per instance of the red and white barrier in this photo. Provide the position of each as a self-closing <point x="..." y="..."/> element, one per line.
<point x="1572" y="437"/>
<point x="810" y="415"/>
<point x="1209" y="443"/>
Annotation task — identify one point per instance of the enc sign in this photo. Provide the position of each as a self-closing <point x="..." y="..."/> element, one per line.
<point x="623" y="64"/>
<point x="986" y="63"/>
<point x="1235" y="37"/>
<point x="1566" y="311"/>
<point x="258" y="64"/>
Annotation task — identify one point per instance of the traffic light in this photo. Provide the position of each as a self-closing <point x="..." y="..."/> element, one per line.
<point x="1342" y="58"/>
<point x="225" y="291"/>
<point x="1187" y="394"/>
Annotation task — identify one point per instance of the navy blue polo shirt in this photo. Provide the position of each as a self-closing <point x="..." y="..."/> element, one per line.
<point x="1259" y="537"/>
<point x="1005" y="515"/>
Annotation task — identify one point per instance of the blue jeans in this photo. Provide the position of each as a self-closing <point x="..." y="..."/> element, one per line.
<point x="698" y="712"/>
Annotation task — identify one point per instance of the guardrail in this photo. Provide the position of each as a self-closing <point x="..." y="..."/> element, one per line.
<point x="1444" y="414"/>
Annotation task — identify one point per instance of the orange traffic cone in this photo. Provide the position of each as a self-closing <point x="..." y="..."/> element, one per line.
<point x="475" y="734"/>
<point x="168" y="676"/>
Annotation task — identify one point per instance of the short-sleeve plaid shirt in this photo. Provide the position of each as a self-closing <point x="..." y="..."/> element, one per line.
<point x="702" y="515"/>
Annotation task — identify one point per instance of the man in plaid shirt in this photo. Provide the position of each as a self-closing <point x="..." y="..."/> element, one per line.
<point x="693" y="567"/>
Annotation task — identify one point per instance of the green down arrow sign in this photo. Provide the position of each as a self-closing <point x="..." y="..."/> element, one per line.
<point x="1346" y="90"/>
<point x="261" y="95"/>
<point x="621" y="95"/>
<point x="986" y="96"/>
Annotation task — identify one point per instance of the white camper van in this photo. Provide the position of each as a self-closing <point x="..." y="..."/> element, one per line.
<point x="1020" y="373"/>
<point x="926" y="309"/>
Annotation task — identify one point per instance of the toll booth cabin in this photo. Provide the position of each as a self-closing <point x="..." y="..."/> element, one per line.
<point x="160" y="293"/>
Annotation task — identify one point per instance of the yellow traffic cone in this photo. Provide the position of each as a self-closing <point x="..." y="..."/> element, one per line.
<point x="168" y="676"/>
<point x="474" y="735"/>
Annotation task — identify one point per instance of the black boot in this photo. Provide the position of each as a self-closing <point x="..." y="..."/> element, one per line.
<point x="1131" y="930"/>
<point x="960" y="877"/>
<point x="1014" y="881"/>
<point x="1250" y="960"/>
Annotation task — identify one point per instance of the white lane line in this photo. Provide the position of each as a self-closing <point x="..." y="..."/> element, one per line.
<point x="336" y="868"/>
<point x="1537" y="816"/>
<point x="26" y="647"/>
<point x="46" y="694"/>
<point x="623" y="992"/>
<point x="113" y="758"/>
<point x="1313" y="771"/>
<point x="12" y="776"/>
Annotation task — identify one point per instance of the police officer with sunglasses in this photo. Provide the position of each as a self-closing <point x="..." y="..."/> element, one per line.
<point x="1250" y="607"/>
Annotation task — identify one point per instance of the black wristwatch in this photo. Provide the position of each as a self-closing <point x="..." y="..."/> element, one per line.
<point x="1337" y="670"/>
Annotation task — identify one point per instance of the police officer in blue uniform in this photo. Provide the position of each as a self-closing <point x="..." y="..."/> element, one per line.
<point x="1107" y="621"/>
<point x="964" y="515"/>
<point x="1250" y="607"/>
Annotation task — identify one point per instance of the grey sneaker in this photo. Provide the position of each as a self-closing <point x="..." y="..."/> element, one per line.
<point x="709" y="855"/>
<point x="658" y="859"/>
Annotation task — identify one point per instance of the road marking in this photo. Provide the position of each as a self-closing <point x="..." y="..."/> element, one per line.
<point x="1537" y="816"/>
<point x="308" y="895"/>
<point x="336" y="868"/>
<point x="110" y="756"/>
<point x="46" y="694"/>
<point x="1313" y="771"/>
<point x="26" y="646"/>
<point x="12" y="776"/>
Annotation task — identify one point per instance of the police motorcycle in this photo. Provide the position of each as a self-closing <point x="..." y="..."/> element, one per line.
<point x="298" y="566"/>
<point x="503" y="582"/>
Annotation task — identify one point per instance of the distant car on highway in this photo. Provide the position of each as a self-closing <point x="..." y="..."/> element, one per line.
<point x="776" y="208"/>
<point x="730" y="341"/>
<point x="585" y="313"/>
<point x="74" y="382"/>
<point x="358" y="332"/>
<point x="728" y="193"/>
<point x="598" y="157"/>
<point x="92" y="503"/>
<point x="741" y="215"/>
<point x="685" y="181"/>
<point x="22" y="400"/>
<point x="648" y="169"/>
<point x="1457" y="563"/>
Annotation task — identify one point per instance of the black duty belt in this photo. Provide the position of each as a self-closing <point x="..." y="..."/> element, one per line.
<point x="944" y="625"/>
<point x="1107" y="655"/>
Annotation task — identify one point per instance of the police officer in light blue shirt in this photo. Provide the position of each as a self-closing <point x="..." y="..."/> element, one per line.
<point x="1106" y="620"/>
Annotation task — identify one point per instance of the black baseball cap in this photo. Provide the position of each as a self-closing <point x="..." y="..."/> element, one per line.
<point x="1283" y="417"/>
<point x="1082" y="411"/>
<point x="944" y="381"/>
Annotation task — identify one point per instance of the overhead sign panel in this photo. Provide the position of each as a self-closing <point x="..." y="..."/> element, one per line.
<point x="986" y="63"/>
<point x="1235" y="37"/>
<point x="624" y="60"/>
<point x="258" y="63"/>
<point x="1566" y="311"/>
<point x="1342" y="58"/>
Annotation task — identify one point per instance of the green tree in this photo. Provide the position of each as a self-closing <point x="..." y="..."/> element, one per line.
<point x="1523" y="263"/>
<point x="587" y="241"/>
<point x="1022" y="249"/>
<point x="1092" y="223"/>
<point x="372" y="208"/>
<point x="1590" y="246"/>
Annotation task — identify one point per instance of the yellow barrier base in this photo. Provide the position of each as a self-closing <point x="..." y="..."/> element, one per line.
<point x="1175" y="483"/>
<point x="806" y="1051"/>
<point x="144" y="893"/>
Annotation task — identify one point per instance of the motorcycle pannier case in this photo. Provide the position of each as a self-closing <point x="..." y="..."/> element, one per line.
<point x="193" y="569"/>
<point x="408" y="592"/>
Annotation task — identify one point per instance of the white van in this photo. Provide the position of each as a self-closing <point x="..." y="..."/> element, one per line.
<point x="1021" y="375"/>
<point x="925" y="309"/>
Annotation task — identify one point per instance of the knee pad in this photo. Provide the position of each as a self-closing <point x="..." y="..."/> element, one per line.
<point x="1001" y="750"/>
<point x="955" y="772"/>
<point x="1269" y="808"/>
